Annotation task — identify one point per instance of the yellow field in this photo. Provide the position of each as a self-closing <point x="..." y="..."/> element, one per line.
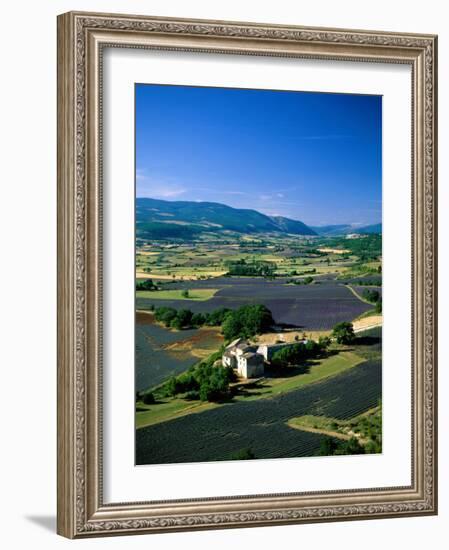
<point x="178" y="276"/>
<point x="334" y="250"/>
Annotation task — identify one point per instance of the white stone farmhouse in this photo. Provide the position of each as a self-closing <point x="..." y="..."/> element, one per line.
<point x="249" y="359"/>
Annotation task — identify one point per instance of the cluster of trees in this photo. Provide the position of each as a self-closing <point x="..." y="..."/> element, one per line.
<point x="253" y="244"/>
<point x="204" y="382"/>
<point x="305" y="272"/>
<point x="254" y="268"/>
<point x="244" y="322"/>
<point x="185" y="318"/>
<point x="330" y="446"/>
<point x="306" y="281"/>
<point x="295" y="354"/>
<point x="247" y="321"/>
<point x="369" y="282"/>
<point x="371" y="295"/>
<point x="375" y="298"/>
<point x="146" y="284"/>
<point x="369" y="429"/>
<point x="343" y="333"/>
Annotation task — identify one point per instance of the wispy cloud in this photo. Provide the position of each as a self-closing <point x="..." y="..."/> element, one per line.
<point x="158" y="188"/>
<point x="322" y="137"/>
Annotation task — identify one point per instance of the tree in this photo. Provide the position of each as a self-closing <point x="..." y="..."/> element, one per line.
<point x="231" y="327"/>
<point x="182" y="320"/>
<point x="198" y="319"/>
<point x="247" y="321"/>
<point x="324" y="342"/>
<point x="171" y="387"/>
<point x="243" y="454"/>
<point x="165" y="315"/>
<point x="343" y="332"/>
<point x="350" y="447"/>
<point x="185" y="293"/>
<point x="215" y="386"/>
<point x="372" y="296"/>
<point x="330" y="446"/>
<point x="216" y="317"/>
<point x="148" y="399"/>
<point x="147" y="284"/>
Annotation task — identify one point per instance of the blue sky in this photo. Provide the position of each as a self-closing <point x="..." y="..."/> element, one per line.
<point x="308" y="156"/>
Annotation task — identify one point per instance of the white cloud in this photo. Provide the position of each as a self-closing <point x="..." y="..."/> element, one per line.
<point x="153" y="187"/>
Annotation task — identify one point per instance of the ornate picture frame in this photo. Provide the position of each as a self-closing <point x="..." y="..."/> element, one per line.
<point x="82" y="38"/>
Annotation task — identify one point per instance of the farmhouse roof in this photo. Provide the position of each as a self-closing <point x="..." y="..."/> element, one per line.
<point x="247" y="348"/>
<point x="252" y="357"/>
<point x="234" y="343"/>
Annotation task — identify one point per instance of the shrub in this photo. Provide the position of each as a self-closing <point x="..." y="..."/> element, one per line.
<point x="148" y="399"/>
<point x="371" y="296"/>
<point x="343" y="332"/>
<point x="192" y="395"/>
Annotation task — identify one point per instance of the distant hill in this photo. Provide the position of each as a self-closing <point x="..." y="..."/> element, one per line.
<point x="345" y="229"/>
<point x="293" y="227"/>
<point x="375" y="228"/>
<point x="158" y="219"/>
<point x="330" y="230"/>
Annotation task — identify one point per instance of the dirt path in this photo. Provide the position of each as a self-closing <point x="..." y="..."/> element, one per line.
<point x="357" y="295"/>
<point x="367" y="323"/>
<point x="329" y="433"/>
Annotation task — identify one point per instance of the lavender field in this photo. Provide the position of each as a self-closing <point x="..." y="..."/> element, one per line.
<point x="318" y="306"/>
<point x="261" y="425"/>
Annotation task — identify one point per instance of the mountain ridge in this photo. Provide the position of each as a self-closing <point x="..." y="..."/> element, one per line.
<point x="185" y="219"/>
<point x="345" y="229"/>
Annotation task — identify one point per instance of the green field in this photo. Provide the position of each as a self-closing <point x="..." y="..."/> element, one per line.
<point x="365" y="427"/>
<point x="208" y="257"/>
<point x="198" y="294"/>
<point x="315" y="371"/>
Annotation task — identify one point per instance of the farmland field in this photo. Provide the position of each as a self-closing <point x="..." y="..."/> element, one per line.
<point x="161" y="353"/>
<point x="309" y="293"/>
<point x="317" y="306"/>
<point x="261" y="425"/>
<point x="198" y="294"/>
<point x="258" y="273"/>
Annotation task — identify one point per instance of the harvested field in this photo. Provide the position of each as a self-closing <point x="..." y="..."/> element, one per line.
<point x="162" y="353"/>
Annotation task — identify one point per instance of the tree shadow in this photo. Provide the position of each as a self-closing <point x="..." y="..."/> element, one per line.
<point x="288" y="326"/>
<point x="367" y="340"/>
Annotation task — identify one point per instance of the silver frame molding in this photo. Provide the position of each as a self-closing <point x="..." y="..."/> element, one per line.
<point x="81" y="39"/>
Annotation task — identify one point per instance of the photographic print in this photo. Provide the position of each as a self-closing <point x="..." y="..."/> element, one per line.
<point x="258" y="263"/>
